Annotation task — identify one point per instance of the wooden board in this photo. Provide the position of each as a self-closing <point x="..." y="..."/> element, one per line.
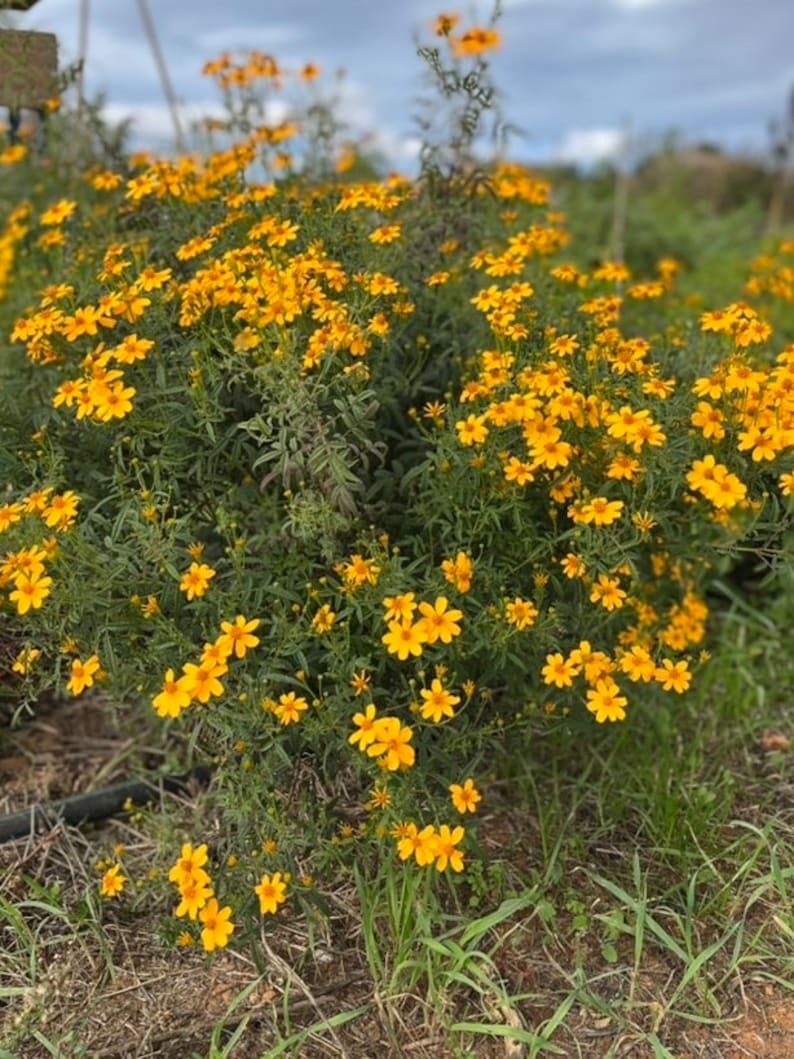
<point x="17" y="5"/>
<point x="28" y="68"/>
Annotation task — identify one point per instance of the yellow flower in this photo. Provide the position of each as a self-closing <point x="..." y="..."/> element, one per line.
<point x="673" y="676"/>
<point x="365" y="723"/>
<point x="445" y="24"/>
<point x="559" y="671"/>
<point x="459" y="571"/>
<point x="201" y="681"/>
<point x="465" y="797"/>
<point x="113" y="402"/>
<point x="272" y="892"/>
<point x="238" y="637"/>
<point x="359" y="571"/>
<point x="379" y="799"/>
<point x="59" y="212"/>
<point x="173" y="698"/>
<point x="573" y="566"/>
<point x="411" y="842"/>
<point x="638" y="664"/>
<point x="196" y="581"/>
<point x="438" y="622"/>
<point x="218" y="927"/>
<point x="359" y="682"/>
<point x="404" y="639"/>
<point x="399" y="608"/>
<point x="82" y="674"/>
<point x="521" y="613"/>
<point x="387" y="233"/>
<point x="61" y="511"/>
<point x="608" y="593"/>
<point x="600" y="511"/>
<point x="24" y="660"/>
<point x="438" y="702"/>
<point x="30" y="592"/>
<point x="475" y="41"/>
<point x="606" y="702"/>
<point x="112" y="882"/>
<point x="392" y="741"/>
<point x="194" y="893"/>
<point x="290" y="707"/>
<point x="472" y="430"/>
<point x="446" y="855"/>
<point x="189" y="868"/>
<point x="324" y="619"/>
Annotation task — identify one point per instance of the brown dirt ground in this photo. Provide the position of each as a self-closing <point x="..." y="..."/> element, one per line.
<point x="128" y="996"/>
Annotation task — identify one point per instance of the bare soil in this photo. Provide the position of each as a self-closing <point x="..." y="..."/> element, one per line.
<point x="123" y="994"/>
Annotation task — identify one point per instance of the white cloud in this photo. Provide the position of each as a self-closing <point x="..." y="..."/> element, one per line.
<point x="587" y="146"/>
<point x="270" y="38"/>
<point x="152" y="125"/>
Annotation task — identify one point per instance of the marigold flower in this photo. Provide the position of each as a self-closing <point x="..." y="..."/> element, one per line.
<point x="465" y="797"/>
<point x="83" y="674"/>
<point x="112" y="882"/>
<point x="521" y="613"/>
<point x="558" y="671"/>
<point x="438" y="622"/>
<point x="438" y="702"/>
<point x="573" y="566"/>
<point x="673" y="676"/>
<point x="392" y="741"/>
<point x="600" y="511"/>
<point x="404" y="639"/>
<point x="201" y="681"/>
<point x="238" y="636"/>
<point x="379" y="799"/>
<point x="638" y="664"/>
<point x="608" y="593"/>
<point x="472" y="430"/>
<point x="359" y="571"/>
<point x="445" y="24"/>
<point x="606" y="702"/>
<point x="272" y="892"/>
<point x="24" y="660"/>
<point x="360" y="682"/>
<point x="30" y="592"/>
<point x="459" y="571"/>
<point x="194" y="893"/>
<point x="61" y="510"/>
<point x="218" y="927"/>
<point x="173" y="698"/>
<point x="475" y="41"/>
<point x="365" y="724"/>
<point x="196" y="581"/>
<point x="324" y="619"/>
<point x="399" y="608"/>
<point x="447" y="855"/>
<point x="189" y="868"/>
<point x="418" y="844"/>
<point x="290" y="707"/>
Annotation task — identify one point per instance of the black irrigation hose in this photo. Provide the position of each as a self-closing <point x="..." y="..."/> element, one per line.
<point x="96" y="805"/>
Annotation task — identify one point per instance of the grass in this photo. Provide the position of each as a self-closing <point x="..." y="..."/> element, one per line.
<point x="634" y="898"/>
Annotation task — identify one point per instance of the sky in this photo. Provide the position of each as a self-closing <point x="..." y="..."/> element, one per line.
<point x="573" y="75"/>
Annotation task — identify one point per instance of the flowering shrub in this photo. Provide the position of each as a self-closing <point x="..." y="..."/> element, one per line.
<point x="344" y="479"/>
